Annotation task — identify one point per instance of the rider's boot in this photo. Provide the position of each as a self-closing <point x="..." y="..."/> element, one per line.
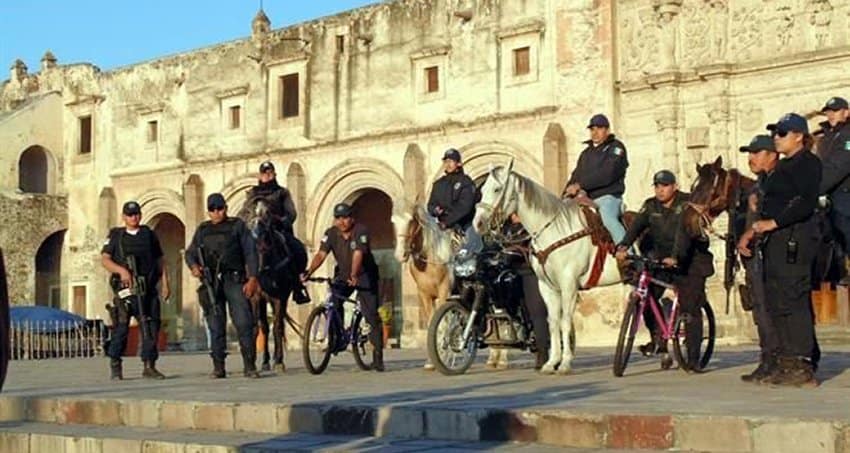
<point x="378" y="360"/>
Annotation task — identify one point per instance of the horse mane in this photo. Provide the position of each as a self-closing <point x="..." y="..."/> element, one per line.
<point x="436" y="242"/>
<point x="544" y="202"/>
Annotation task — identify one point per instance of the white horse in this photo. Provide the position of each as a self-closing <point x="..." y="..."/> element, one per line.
<point x="548" y="220"/>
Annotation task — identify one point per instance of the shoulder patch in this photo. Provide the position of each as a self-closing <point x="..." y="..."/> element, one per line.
<point x="325" y="238"/>
<point x="364" y="239"/>
<point x="353" y="245"/>
<point x="617" y="151"/>
<point x="457" y="185"/>
<point x="847" y="145"/>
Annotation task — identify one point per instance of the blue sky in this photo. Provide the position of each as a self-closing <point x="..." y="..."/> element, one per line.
<point x="112" y="33"/>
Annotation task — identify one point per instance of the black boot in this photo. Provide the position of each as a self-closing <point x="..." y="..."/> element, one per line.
<point x="218" y="370"/>
<point x="378" y="360"/>
<point x="766" y="366"/>
<point x="797" y="372"/>
<point x="117" y="373"/>
<point x="150" y="371"/>
<point x="250" y="370"/>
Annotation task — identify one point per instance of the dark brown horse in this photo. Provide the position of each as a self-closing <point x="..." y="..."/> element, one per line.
<point x="4" y="323"/>
<point x="715" y="191"/>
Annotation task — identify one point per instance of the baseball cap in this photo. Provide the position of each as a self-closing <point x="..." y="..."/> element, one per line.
<point x="342" y="210"/>
<point x="790" y="122"/>
<point x="131" y="208"/>
<point x="664" y="177"/>
<point x="216" y="201"/>
<point x="835" y="103"/>
<point x="598" y="120"/>
<point x="759" y="143"/>
<point x="266" y="166"/>
<point x="452" y="154"/>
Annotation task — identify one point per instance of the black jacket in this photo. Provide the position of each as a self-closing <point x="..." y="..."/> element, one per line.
<point x="456" y="195"/>
<point x="791" y="190"/>
<point x="601" y="170"/>
<point x="834" y="152"/>
<point x="228" y="247"/>
<point x="279" y="200"/>
<point x="662" y="223"/>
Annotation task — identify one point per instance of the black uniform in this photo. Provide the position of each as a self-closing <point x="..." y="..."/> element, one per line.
<point x="279" y="200"/>
<point x="834" y="152"/>
<point x="144" y="245"/>
<point x="230" y="253"/>
<point x="790" y="198"/>
<point x="601" y="169"/>
<point x="456" y="195"/>
<point x="343" y="250"/>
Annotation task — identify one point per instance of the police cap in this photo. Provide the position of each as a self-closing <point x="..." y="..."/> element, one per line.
<point x="598" y="120"/>
<point x="835" y="104"/>
<point x="266" y="166"/>
<point x="664" y="177"/>
<point x="452" y="154"/>
<point x="216" y="201"/>
<point x="790" y="122"/>
<point x="759" y="143"/>
<point x="131" y="208"/>
<point x="342" y="210"/>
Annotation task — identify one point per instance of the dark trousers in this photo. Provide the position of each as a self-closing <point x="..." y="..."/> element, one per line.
<point x="768" y="339"/>
<point x="691" y="289"/>
<point x="230" y="296"/>
<point x="122" y="327"/>
<point x="839" y="217"/>
<point x="535" y="307"/>
<point x="369" y="307"/>
<point x="788" y="290"/>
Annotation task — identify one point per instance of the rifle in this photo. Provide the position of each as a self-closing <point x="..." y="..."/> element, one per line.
<point x="731" y="265"/>
<point x="139" y="290"/>
<point x="208" y="282"/>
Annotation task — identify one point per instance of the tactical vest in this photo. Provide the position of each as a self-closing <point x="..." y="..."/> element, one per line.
<point x="222" y="249"/>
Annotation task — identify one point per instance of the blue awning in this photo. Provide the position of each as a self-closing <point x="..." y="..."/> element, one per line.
<point x="44" y="319"/>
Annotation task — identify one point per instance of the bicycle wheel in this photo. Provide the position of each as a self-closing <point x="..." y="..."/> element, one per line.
<point x="680" y="342"/>
<point x="446" y="348"/>
<point x="318" y="341"/>
<point x="360" y="345"/>
<point x="628" y="329"/>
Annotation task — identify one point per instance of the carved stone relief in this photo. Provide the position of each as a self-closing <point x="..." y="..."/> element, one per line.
<point x="641" y="43"/>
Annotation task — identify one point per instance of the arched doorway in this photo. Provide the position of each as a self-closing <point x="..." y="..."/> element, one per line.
<point x="373" y="208"/>
<point x="48" y="262"/>
<point x="172" y="237"/>
<point x="33" y="170"/>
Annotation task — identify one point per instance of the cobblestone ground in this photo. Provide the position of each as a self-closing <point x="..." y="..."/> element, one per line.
<point x="591" y="388"/>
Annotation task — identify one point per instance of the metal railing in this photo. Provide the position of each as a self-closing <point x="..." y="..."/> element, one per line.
<point x="57" y="339"/>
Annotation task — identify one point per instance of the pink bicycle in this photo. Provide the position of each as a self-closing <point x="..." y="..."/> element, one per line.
<point x="671" y="324"/>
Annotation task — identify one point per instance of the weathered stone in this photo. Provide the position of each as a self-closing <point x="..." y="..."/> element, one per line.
<point x="46" y="442"/>
<point x="572" y="431"/>
<point x="497" y="425"/>
<point x="640" y="431"/>
<point x="153" y="446"/>
<point x="299" y="419"/>
<point x="14" y="442"/>
<point x="122" y="445"/>
<point x="727" y="434"/>
<point x="257" y="418"/>
<point x="452" y="425"/>
<point x="811" y="437"/>
<point x="177" y="415"/>
<point x="401" y="422"/>
<point x="141" y="413"/>
<point x="83" y="445"/>
<point x="88" y="412"/>
<point x="13" y="409"/>
<point x="42" y="410"/>
<point x="214" y="417"/>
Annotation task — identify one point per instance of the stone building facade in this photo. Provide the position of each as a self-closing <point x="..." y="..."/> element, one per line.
<point x="359" y="107"/>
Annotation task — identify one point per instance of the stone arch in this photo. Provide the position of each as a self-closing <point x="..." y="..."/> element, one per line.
<point x="161" y="201"/>
<point x="343" y="183"/>
<point x="171" y="232"/>
<point x="296" y="182"/>
<point x="36" y="170"/>
<point x="48" y="264"/>
<point x="555" y="158"/>
<point x="235" y="191"/>
<point x="479" y="156"/>
<point x="414" y="173"/>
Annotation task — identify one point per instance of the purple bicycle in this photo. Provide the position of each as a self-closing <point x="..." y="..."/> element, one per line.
<point x="671" y="324"/>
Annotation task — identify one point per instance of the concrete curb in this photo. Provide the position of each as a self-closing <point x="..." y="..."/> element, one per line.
<point x="559" y="428"/>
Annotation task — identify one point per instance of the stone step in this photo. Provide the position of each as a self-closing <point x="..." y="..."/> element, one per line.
<point x="560" y="428"/>
<point x="31" y="437"/>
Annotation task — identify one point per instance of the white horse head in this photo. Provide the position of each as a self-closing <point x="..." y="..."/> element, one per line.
<point x="498" y="198"/>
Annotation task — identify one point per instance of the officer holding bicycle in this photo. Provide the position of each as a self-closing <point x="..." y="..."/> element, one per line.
<point x="350" y="244"/>
<point x="689" y="260"/>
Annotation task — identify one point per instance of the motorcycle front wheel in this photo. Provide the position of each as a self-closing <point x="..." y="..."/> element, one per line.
<point x="446" y="348"/>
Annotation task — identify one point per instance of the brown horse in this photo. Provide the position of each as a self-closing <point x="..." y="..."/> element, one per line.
<point x="715" y="191"/>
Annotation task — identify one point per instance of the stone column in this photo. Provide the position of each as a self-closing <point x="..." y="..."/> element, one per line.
<point x="555" y="158"/>
<point x="193" y="196"/>
<point x="667" y="122"/>
<point x="667" y="12"/>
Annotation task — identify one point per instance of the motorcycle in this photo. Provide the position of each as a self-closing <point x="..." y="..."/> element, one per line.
<point x="485" y="310"/>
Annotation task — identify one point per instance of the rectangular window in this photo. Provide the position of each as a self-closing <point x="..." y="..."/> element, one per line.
<point x="521" y="61"/>
<point x="289" y="96"/>
<point x="153" y="131"/>
<point x="79" y="302"/>
<point x="432" y="79"/>
<point x="85" y="135"/>
<point x="340" y="43"/>
<point x="235" y="119"/>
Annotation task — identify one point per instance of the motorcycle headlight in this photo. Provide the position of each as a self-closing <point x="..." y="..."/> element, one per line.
<point x="465" y="268"/>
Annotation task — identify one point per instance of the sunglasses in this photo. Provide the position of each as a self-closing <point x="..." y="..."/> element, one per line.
<point x="781" y="133"/>
<point x="217" y="208"/>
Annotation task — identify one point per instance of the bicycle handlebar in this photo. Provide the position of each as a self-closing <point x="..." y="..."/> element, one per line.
<point x="336" y="282"/>
<point x="651" y="263"/>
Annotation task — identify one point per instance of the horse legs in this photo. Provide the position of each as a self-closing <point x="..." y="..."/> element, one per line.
<point x="278" y="329"/>
<point x="263" y="321"/>
<point x="552" y="299"/>
<point x="426" y="310"/>
<point x="569" y="294"/>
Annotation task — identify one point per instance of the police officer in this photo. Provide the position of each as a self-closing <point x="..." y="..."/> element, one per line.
<point x="453" y="199"/>
<point x="762" y="159"/>
<point x="135" y="245"/>
<point x="351" y="246"/>
<point x="600" y="173"/>
<point x="834" y="152"/>
<point x="533" y="300"/>
<point x="283" y="213"/>
<point x="227" y="248"/>
<point x="786" y="218"/>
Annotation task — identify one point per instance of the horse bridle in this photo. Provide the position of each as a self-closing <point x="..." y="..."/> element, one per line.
<point x="730" y="177"/>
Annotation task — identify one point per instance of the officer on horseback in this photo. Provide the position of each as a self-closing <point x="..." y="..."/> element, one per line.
<point x="134" y="255"/>
<point x="453" y="199"/>
<point x="224" y="256"/>
<point x="601" y="173"/>
<point x="283" y="214"/>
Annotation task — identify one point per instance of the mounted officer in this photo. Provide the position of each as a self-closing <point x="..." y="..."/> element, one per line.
<point x="134" y="257"/>
<point x="224" y="256"/>
<point x="283" y="215"/>
<point x="834" y="152"/>
<point x="453" y="199"/>
<point x="600" y="173"/>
